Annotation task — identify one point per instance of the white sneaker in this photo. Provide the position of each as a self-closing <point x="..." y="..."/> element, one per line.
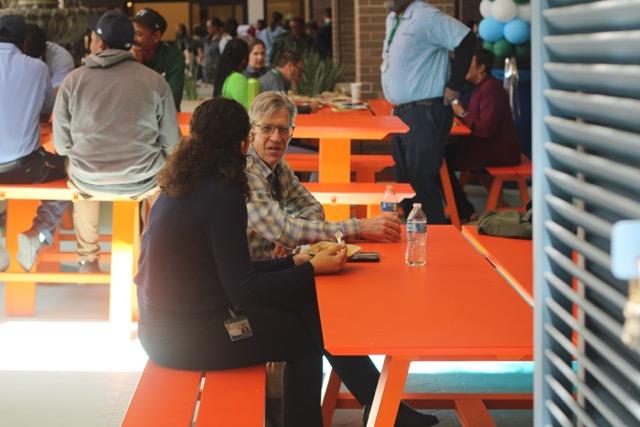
<point x="29" y="245"/>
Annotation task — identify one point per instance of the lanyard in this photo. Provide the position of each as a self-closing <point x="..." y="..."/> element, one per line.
<point x="396" y="24"/>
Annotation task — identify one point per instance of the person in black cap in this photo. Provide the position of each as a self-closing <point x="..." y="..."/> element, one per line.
<point x="116" y="121"/>
<point x="148" y="48"/>
<point x="25" y="93"/>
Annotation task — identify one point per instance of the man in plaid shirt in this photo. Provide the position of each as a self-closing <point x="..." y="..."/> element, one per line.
<point x="282" y="213"/>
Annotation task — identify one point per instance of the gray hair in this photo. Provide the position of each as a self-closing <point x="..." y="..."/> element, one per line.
<point x="267" y="103"/>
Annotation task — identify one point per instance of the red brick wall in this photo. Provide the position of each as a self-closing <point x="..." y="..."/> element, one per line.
<point x="317" y="14"/>
<point x="344" y="51"/>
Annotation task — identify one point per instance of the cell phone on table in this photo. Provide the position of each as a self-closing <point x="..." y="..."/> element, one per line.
<point x="364" y="257"/>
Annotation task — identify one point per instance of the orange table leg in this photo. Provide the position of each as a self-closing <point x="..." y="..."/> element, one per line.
<point x="473" y="413"/>
<point x="373" y="210"/>
<point x="20" y="297"/>
<point x="389" y="391"/>
<point x="125" y="232"/>
<point x="335" y="166"/>
<point x="330" y="398"/>
<point x="447" y="188"/>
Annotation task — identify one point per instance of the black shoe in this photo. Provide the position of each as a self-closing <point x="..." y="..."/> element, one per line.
<point x="407" y="417"/>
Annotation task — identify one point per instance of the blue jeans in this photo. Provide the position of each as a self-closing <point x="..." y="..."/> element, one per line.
<point x="418" y="155"/>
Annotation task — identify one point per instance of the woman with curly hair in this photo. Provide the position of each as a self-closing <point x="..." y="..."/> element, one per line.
<point x="195" y="273"/>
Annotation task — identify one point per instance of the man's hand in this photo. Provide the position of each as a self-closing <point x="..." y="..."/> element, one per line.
<point x="384" y="228"/>
<point x="458" y="109"/>
<point x="137" y="53"/>
<point x="450" y="95"/>
<point x="280" y="252"/>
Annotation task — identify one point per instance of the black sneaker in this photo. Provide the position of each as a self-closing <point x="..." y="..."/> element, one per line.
<point x="407" y="417"/>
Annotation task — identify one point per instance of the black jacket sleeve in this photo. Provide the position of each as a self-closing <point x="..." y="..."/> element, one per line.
<point x="461" y="60"/>
<point x="242" y="283"/>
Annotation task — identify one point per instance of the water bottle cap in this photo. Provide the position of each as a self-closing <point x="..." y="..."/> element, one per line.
<point x="417" y="205"/>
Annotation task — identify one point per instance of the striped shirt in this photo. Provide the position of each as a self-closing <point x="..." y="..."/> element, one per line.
<point x="281" y="210"/>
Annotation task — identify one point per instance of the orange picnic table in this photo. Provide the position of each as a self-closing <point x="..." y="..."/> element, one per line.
<point x="513" y="258"/>
<point x="454" y="308"/>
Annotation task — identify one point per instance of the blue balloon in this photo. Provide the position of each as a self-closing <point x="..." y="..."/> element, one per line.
<point x="491" y="30"/>
<point x="517" y="31"/>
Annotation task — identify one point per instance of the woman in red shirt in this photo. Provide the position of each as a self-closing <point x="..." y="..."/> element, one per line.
<point x="493" y="140"/>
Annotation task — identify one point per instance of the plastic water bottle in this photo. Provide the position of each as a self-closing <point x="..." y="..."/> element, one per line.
<point x="253" y="89"/>
<point x="389" y="202"/>
<point x="416" y="254"/>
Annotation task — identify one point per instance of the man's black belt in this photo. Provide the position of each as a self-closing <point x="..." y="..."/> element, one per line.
<point x="427" y="101"/>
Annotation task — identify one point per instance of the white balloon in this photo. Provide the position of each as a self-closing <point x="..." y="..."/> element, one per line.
<point x="485" y="8"/>
<point x="524" y="11"/>
<point x="504" y="10"/>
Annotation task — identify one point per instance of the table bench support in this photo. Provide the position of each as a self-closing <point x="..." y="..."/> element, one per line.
<point x="330" y="393"/>
<point x="125" y="232"/>
<point x="473" y="413"/>
<point x="389" y="391"/>
<point x="20" y="296"/>
<point x="335" y="167"/>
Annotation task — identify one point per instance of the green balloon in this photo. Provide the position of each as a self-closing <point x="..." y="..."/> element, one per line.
<point x="502" y="48"/>
<point x="487" y="45"/>
<point x="521" y="1"/>
<point x="523" y="50"/>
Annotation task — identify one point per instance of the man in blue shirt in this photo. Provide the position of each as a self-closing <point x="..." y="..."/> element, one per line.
<point x="26" y="91"/>
<point x="418" y="80"/>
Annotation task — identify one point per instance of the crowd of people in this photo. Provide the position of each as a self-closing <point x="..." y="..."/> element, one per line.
<point x="266" y="43"/>
<point x="221" y="238"/>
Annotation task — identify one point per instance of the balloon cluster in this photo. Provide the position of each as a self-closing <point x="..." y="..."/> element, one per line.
<point x="505" y="28"/>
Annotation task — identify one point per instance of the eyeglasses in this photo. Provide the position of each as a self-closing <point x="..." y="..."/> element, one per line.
<point x="284" y="131"/>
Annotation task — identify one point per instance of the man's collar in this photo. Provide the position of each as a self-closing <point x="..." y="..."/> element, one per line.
<point x="409" y="10"/>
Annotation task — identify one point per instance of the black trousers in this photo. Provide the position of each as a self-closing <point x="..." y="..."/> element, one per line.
<point x="418" y="155"/>
<point x="290" y="333"/>
<point x="39" y="166"/>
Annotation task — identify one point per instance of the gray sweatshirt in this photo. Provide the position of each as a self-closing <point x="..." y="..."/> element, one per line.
<point x="116" y="121"/>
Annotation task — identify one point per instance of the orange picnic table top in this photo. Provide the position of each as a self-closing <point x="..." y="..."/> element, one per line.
<point x="338" y="126"/>
<point x="513" y="258"/>
<point x="455" y="308"/>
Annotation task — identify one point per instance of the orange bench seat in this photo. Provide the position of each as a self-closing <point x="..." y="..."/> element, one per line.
<point x="501" y="174"/>
<point x="175" y="398"/>
<point x="20" y="286"/>
<point x="364" y="165"/>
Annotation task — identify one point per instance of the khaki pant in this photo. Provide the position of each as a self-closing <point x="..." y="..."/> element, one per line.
<point x="86" y="222"/>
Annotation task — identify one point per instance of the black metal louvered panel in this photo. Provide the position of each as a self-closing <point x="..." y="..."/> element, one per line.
<point x="586" y="67"/>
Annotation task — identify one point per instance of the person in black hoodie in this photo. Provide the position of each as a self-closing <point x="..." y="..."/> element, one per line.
<point x="204" y="305"/>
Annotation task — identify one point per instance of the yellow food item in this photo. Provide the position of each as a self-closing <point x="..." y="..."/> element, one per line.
<point x="321" y="246"/>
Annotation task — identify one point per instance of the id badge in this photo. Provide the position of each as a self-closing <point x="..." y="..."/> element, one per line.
<point x="385" y="63"/>
<point x="238" y="327"/>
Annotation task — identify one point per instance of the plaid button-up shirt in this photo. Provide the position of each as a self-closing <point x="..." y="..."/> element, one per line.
<point x="291" y="218"/>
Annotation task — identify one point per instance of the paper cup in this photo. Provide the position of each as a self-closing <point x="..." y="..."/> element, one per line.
<point x="356" y="93"/>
